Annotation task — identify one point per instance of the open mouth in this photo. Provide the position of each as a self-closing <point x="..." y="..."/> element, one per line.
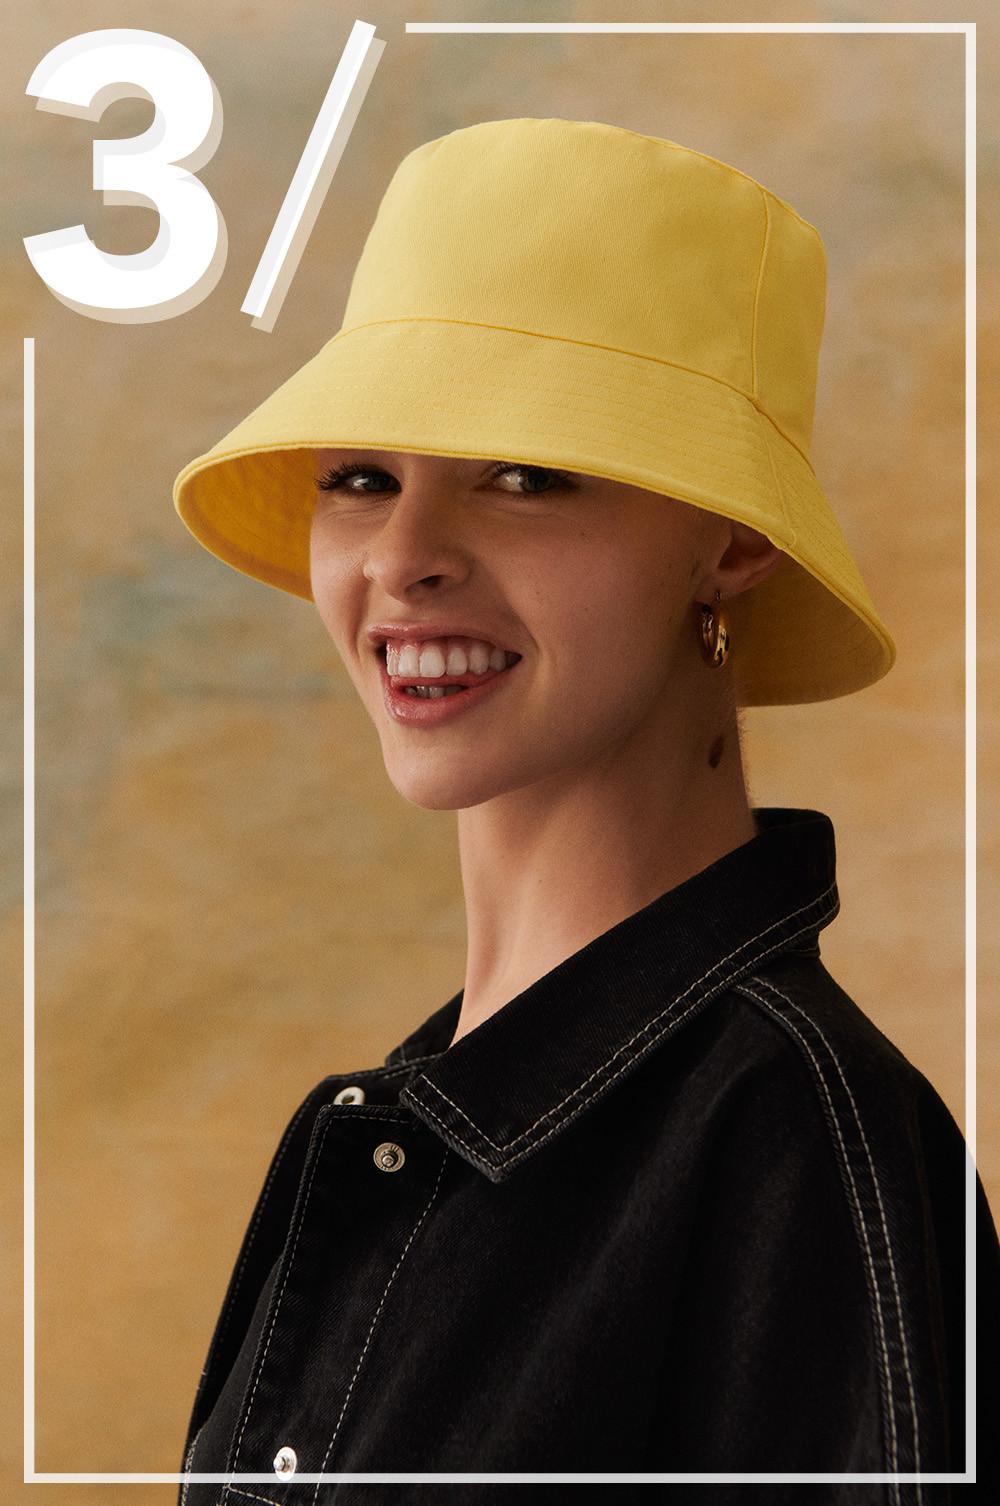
<point x="440" y="686"/>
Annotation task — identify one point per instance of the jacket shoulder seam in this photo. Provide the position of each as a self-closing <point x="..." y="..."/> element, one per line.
<point x="860" y="1180"/>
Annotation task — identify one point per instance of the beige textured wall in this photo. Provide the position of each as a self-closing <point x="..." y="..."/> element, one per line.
<point x="211" y="800"/>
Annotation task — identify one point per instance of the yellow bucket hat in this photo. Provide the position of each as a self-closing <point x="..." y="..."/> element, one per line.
<point x="576" y="294"/>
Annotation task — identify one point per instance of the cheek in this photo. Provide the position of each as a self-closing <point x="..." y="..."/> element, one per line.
<point x="625" y="603"/>
<point x="329" y="573"/>
<point x="320" y="583"/>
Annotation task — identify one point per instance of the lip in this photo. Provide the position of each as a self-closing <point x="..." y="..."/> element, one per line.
<point x="416" y="631"/>
<point x="421" y="711"/>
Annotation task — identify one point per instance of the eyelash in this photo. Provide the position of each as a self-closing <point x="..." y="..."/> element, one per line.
<point x="331" y="479"/>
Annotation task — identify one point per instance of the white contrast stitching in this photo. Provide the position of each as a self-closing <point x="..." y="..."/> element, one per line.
<point x="408" y="1062"/>
<point x="383" y="1071"/>
<point x="885" y="1231"/>
<point x="744" y="989"/>
<point x="369" y="1111"/>
<point x="252" y="1496"/>
<point x="502" y="1149"/>
<point x="277" y="1305"/>
<point x="374" y="1320"/>
<point x="754" y="374"/>
<point x="265" y="1193"/>
<point x="261" y="1203"/>
<point x="187" y="1463"/>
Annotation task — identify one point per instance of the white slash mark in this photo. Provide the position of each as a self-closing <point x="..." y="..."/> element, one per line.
<point x="330" y="134"/>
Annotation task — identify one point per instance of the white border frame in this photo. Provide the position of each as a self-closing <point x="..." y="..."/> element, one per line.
<point x="34" y="1477"/>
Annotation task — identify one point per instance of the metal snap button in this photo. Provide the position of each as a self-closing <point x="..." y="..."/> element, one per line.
<point x="352" y="1094"/>
<point x="389" y="1156"/>
<point x="285" y="1461"/>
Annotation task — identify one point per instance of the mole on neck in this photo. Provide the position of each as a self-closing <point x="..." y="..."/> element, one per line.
<point x="716" y="750"/>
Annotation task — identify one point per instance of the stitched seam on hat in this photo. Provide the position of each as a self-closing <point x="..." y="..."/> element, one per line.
<point x="645" y="1030"/>
<point x="790" y="532"/>
<point x="771" y="988"/>
<point x="374" y="1321"/>
<point x="223" y="543"/>
<point x="754" y="376"/>
<point x="691" y="151"/>
<point x="711" y="438"/>
<point x="618" y="350"/>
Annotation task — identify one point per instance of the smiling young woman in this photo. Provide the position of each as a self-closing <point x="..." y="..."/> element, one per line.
<point x="597" y="729"/>
<point x="650" y="1192"/>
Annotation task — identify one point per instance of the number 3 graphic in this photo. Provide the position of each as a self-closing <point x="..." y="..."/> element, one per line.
<point x="82" y="76"/>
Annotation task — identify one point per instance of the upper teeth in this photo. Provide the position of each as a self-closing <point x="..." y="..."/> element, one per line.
<point x="434" y="657"/>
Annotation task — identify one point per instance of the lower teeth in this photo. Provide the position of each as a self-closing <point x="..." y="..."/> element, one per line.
<point x="429" y="692"/>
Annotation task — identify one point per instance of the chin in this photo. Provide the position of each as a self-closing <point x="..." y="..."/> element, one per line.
<point x="435" y="788"/>
<point x="441" y="794"/>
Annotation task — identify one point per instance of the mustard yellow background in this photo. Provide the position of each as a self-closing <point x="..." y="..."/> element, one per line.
<point x="232" y="900"/>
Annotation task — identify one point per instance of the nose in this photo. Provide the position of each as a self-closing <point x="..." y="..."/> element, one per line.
<point x="418" y="543"/>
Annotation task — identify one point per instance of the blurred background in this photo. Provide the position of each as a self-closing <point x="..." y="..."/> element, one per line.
<point x="232" y="900"/>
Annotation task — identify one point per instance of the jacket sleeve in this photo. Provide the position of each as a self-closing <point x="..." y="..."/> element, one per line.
<point x="821" y="1323"/>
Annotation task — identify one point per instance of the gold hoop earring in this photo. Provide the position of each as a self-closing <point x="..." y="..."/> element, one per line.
<point x="714" y="634"/>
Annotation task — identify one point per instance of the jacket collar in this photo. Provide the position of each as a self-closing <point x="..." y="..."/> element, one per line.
<point x="527" y="1071"/>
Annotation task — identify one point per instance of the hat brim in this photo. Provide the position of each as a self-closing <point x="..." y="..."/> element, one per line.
<point x="808" y="632"/>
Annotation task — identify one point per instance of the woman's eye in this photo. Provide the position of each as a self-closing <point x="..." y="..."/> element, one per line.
<point x="534" y="479"/>
<point x="333" y="479"/>
<point x="532" y="474"/>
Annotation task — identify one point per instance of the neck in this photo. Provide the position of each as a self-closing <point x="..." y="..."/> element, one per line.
<point x="548" y="867"/>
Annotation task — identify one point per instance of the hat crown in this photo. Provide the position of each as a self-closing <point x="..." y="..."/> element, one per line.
<point x="572" y="294"/>
<point x="589" y="232"/>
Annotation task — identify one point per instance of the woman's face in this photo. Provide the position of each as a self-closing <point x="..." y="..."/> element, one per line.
<point x="591" y="581"/>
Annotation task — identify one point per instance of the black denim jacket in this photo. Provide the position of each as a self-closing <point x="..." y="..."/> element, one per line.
<point x="678" y="1206"/>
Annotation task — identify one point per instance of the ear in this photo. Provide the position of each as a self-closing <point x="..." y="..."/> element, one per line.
<point x="748" y="557"/>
